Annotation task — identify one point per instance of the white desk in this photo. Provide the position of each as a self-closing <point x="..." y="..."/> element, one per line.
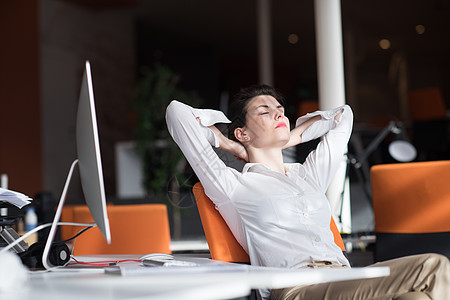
<point x="94" y="284"/>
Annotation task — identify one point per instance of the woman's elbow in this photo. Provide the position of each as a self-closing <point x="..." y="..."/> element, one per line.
<point x="347" y="111"/>
<point x="173" y="111"/>
<point x="172" y="107"/>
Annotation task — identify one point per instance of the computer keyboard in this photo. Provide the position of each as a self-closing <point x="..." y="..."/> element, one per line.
<point x="173" y="266"/>
<point x="167" y="263"/>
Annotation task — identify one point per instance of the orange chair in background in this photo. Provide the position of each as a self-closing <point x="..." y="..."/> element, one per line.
<point x="411" y="204"/>
<point x="135" y="229"/>
<point x="307" y="106"/>
<point x="222" y="244"/>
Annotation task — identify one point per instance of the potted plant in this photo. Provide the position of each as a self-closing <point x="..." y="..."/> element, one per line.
<point x="163" y="163"/>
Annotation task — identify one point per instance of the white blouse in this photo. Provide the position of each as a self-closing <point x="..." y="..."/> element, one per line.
<point x="280" y="220"/>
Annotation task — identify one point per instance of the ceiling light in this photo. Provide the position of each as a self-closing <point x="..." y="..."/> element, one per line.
<point x="384" y="44"/>
<point x="420" y="29"/>
<point x="293" y="38"/>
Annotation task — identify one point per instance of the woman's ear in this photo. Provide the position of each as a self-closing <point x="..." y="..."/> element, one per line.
<point x="241" y="135"/>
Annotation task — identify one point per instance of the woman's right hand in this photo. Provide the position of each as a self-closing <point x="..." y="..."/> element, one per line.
<point x="239" y="151"/>
<point x="233" y="147"/>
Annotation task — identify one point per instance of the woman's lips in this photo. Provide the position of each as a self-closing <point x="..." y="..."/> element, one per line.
<point x="281" y="124"/>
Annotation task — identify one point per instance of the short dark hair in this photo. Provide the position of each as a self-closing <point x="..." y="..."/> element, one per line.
<point x="239" y="105"/>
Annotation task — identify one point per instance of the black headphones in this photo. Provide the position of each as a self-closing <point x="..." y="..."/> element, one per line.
<point x="59" y="255"/>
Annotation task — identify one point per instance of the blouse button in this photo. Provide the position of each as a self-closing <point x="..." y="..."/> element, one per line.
<point x="318" y="239"/>
<point x="305" y="215"/>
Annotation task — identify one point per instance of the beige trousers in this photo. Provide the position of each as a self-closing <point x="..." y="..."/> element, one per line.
<point x="425" y="276"/>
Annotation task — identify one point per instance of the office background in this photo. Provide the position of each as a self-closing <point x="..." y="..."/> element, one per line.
<point x="212" y="45"/>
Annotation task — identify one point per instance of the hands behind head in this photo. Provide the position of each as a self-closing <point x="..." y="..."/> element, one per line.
<point x="240" y="152"/>
<point x="233" y="147"/>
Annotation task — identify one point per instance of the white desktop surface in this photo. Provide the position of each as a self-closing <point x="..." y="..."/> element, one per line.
<point x="94" y="284"/>
<point x="87" y="285"/>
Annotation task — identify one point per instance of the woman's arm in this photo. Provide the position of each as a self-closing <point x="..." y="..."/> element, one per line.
<point x="324" y="161"/>
<point x="233" y="147"/>
<point x="320" y="129"/>
<point x="189" y="127"/>
<point x="297" y="132"/>
<point x="191" y="130"/>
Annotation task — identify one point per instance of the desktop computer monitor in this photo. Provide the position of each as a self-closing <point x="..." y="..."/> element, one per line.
<point x="90" y="166"/>
<point x="89" y="158"/>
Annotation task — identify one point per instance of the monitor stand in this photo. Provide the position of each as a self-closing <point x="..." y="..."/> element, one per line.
<point x="51" y="235"/>
<point x="33" y="254"/>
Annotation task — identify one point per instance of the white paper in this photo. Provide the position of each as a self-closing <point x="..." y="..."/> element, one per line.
<point x="15" y="198"/>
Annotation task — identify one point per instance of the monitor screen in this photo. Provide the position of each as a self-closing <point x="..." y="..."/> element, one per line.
<point x="90" y="166"/>
<point x="89" y="159"/>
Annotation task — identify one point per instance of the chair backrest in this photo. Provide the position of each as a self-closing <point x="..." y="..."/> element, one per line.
<point x="411" y="197"/>
<point x="135" y="229"/>
<point x="411" y="203"/>
<point x="222" y="244"/>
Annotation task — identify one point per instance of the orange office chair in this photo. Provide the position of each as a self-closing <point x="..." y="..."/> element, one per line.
<point x="411" y="204"/>
<point x="135" y="229"/>
<point x="222" y="244"/>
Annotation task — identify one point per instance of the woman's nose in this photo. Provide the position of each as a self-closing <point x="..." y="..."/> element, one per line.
<point x="278" y="114"/>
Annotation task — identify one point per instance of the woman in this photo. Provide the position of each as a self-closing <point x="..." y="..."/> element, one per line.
<point x="279" y="212"/>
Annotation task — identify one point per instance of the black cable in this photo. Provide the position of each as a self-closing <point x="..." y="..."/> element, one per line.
<point x="78" y="234"/>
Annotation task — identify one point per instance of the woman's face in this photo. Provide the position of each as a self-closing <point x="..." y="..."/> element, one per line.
<point x="266" y="124"/>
